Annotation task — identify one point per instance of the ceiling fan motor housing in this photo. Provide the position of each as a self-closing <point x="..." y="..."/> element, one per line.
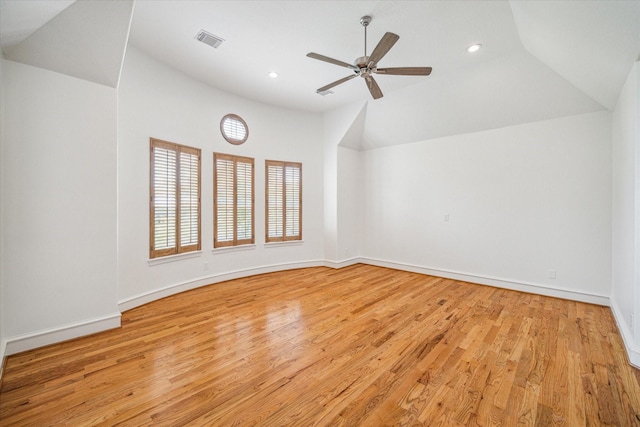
<point x="367" y="65"/>
<point x="361" y="62"/>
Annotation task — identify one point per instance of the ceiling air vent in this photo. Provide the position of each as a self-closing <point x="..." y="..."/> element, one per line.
<point x="325" y="92"/>
<point x="208" y="38"/>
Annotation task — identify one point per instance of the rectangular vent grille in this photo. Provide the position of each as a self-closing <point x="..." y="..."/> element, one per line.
<point x="208" y="38"/>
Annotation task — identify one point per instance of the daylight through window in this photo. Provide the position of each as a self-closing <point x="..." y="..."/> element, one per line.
<point x="175" y="199"/>
<point x="233" y="200"/>
<point x="234" y="129"/>
<point x="283" y="201"/>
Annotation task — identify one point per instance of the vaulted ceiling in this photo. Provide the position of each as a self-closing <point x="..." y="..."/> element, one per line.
<point x="540" y="59"/>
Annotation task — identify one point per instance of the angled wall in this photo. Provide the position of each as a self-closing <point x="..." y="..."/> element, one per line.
<point x="3" y="341"/>
<point x="342" y="133"/>
<point x="58" y="176"/>
<point x="625" y="292"/>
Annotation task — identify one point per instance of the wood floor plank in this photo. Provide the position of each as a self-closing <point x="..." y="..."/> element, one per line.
<point x="358" y="346"/>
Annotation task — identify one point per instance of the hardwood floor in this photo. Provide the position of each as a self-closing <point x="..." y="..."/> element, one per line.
<point x="362" y="345"/>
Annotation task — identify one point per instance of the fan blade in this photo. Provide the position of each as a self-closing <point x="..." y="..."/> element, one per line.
<point x="386" y="43"/>
<point x="405" y="71"/>
<point x="336" y="83"/>
<point x="373" y="87"/>
<point x="331" y="60"/>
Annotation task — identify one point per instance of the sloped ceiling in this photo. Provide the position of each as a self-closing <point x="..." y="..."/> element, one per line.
<point x="508" y="90"/>
<point x="540" y="59"/>
<point x="86" y="39"/>
<point x="19" y="19"/>
<point x="596" y="61"/>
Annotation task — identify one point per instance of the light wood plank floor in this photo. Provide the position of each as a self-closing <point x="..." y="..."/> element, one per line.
<point x="357" y="346"/>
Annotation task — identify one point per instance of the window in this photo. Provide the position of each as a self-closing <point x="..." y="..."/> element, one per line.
<point x="233" y="180"/>
<point x="283" y="201"/>
<point x="234" y="129"/>
<point x="175" y="199"/>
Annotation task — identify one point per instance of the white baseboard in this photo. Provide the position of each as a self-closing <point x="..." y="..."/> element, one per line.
<point x="3" y="357"/>
<point x="13" y="345"/>
<point x="633" y="351"/>
<point x="343" y="263"/>
<point x="147" y="297"/>
<point x="570" y="294"/>
<point x="37" y="339"/>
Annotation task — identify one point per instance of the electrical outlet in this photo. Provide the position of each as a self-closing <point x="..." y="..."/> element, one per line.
<point x="446" y="217"/>
<point x="206" y="265"/>
<point x="552" y="274"/>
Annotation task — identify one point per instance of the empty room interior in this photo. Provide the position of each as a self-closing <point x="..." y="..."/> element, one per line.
<point x="320" y="212"/>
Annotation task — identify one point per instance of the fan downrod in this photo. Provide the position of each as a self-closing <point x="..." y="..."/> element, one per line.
<point x="365" y="21"/>
<point x="367" y="65"/>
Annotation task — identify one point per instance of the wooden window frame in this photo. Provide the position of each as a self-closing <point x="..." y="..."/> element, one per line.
<point x="235" y="241"/>
<point x="230" y="139"/>
<point x="178" y="247"/>
<point x="283" y="210"/>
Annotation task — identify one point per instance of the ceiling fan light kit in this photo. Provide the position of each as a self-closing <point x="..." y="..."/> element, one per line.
<point x="367" y="65"/>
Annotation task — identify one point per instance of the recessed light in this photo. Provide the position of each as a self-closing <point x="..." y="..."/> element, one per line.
<point x="474" y="48"/>
<point x="273" y="74"/>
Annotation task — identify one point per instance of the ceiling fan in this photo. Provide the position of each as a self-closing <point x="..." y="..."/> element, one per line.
<point x="366" y="66"/>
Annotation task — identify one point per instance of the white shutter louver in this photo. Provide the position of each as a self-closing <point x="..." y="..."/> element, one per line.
<point x="233" y="200"/>
<point x="189" y="199"/>
<point x="244" y="200"/>
<point x="175" y="199"/>
<point x="224" y="198"/>
<point x="164" y="198"/>
<point x="275" y="198"/>
<point x="283" y="201"/>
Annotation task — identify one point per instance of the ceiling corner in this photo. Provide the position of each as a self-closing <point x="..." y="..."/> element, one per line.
<point x="352" y="139"/>
<point x="591" y="44"/>
<point x="86" y="40"/>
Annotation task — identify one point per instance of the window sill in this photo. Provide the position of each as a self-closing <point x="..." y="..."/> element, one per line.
<point x="226" y="249"/>
<point x="173" y="258"/>
<point x="287" y="243"/>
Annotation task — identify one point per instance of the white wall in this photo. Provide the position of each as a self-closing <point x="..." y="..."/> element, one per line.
<point x="3" y="341"/>
<point x="349" y="198"/>
<point x="520" y="201"/>
<point x="59" y="207"/>
<point x="337" y="125"/>
<point x="156" y="101"/>
<point x="625" y="298"/>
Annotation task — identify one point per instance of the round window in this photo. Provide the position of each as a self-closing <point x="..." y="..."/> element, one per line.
<point x="234" y="129"/>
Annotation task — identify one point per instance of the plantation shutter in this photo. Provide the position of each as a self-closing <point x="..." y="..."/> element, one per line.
<point x="233" y="200"/>
<point x="175" y="199"/>
<point x="275" y="200"/>
<point x="189" y="199"/>
<point x="244" y="202"/>
<point x="293" y="192"/>
<point x="224" y="202"/>
<point x="283" y="201"/>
